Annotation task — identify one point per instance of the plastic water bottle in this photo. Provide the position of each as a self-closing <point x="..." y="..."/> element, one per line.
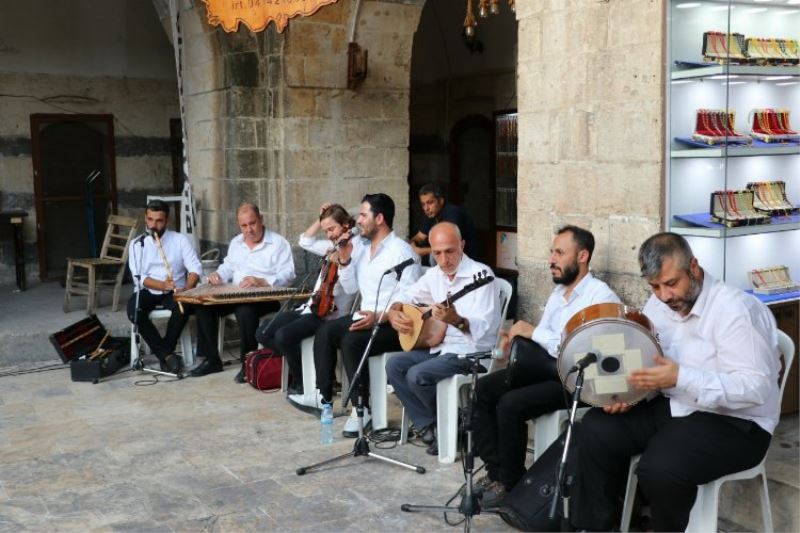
<point x="326" y="424"/>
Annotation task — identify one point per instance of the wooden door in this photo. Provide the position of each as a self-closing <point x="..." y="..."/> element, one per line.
<point x="71" y="207"/>
<point x="472" y="177"/>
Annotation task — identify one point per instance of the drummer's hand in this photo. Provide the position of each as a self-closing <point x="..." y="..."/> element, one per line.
<point x="617" y="408"/>
<point x="521" y="329"/>
<point x="248" y="282"/>
<point x="662" y="376"/>
<point x="168" y="285"/>
<point x="214" y="278"/>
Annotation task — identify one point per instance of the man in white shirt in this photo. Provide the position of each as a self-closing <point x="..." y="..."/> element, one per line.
<point x="365" y="269"/>
<point x="256" y="258"/>
<point x="472" y="323"/>
<point x="508" y="398"/>
<point x="156" y="282"/>
<point x="285" y="333"/>
<point x="718" y="402"/>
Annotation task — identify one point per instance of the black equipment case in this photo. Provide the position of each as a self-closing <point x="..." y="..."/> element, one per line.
<point x="76" y="343"/>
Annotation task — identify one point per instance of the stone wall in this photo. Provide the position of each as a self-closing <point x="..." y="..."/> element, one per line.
<point x="141" y="110"/>
<point x="590" y="95"/>
<point x="271" y="119"/>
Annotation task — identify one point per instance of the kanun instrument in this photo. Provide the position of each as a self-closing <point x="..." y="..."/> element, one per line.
<point x="233" y="294"/>
<point x="429" y="332"/>
<point x="622" y="338"/>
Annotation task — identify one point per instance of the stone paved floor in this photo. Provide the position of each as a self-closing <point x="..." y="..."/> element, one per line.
<point x="201" y="454"/>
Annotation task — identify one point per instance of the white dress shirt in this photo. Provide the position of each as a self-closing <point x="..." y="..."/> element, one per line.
<point x="481" y="307"/>
<point x="558" y="310"/>
<point x="341" y="299"/>
<point x="366" y="270"/>
<point x="270" y="259"/>
<point x="180" y="254"/>
<point x="727" y="352"/>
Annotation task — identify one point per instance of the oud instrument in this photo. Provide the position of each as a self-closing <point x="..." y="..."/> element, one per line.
<point x="428" y="331"/>
<point x="229" y="293"/>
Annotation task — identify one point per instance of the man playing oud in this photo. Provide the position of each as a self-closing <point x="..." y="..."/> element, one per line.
<point x="467" y="325"/>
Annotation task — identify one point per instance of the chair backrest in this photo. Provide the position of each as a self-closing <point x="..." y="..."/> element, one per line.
<point x="119" y="233"/>
<point x="786" y="347"/>
<point x="504" y="289"/>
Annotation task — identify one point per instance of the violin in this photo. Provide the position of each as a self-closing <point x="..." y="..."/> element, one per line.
<point x="322" y="301"/>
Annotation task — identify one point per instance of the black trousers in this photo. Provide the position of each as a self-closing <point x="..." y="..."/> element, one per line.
<point x="678" y="454"/>
<point x="161" y="346"/>
<point x="247" y="317"/>
<point x="284" y="336"/>
<point x="502" y="412"/>
<point x="334" y="335"/>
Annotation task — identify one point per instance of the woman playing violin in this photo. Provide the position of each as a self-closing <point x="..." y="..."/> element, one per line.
<point x="285" y="334"/>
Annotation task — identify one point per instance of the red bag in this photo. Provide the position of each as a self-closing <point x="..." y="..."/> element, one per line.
<point x="263" y="369"/>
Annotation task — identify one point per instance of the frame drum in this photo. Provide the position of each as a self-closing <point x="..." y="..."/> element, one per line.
<point x="623" y="340"/>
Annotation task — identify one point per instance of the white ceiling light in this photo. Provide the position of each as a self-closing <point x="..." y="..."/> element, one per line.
<point x="688" y="5"/>
<point x="788" y="83"/>
<point x="774" y="78"/>
<point x="680" y="82"/>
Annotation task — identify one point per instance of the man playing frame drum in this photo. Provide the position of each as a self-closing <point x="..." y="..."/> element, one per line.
<point x="530" y="386"/>
<point x="718" y="401"/>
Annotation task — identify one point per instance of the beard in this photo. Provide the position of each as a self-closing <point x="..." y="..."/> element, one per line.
<point x="685" y="304"/>
<point x="160" y="232"/>
<point x="567" y="275"/>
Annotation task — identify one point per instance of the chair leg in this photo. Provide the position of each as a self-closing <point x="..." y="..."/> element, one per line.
<point x="404" y="427"/>
<point x="766" y="508"/>
<point x="186" y="346"/>
<point x="630" y="495"/>
<point x="91" y="301"/>
<point x="68" y="289"/>
<point x="447" y="418"/>
<point x="221" y="336"/>
<point x="117" y="286"/>
<point x="377" y="390"/>
<point x="134" y="347"/>
<point x="703" y="516"/>
<point x="309" y="370"/>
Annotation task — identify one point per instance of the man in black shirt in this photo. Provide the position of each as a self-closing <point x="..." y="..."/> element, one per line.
<point x="436" y="210"/>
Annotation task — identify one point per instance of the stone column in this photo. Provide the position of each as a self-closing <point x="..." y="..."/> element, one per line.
<point x="591" y="147"/>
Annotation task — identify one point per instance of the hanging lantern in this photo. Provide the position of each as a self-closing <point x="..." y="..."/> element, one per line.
<point x="469" y="21"/>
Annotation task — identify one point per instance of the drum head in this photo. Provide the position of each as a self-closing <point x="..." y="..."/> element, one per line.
<point x="621" y="346"/>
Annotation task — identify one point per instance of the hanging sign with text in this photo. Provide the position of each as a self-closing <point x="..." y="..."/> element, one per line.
<point x="257" y="14"/>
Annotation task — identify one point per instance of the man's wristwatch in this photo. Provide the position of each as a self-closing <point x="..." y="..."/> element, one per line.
<point x="344" y="264"/>
<point x="461" y="324"/>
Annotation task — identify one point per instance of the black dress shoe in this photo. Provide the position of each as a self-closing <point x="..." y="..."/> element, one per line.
<point x="239" y="377"/>
<point x="205" y="368"/>
<point x="433" y="449"/>
<point x="428" y="435"/>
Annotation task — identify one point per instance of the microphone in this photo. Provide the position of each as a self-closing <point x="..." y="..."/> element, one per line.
<point x="354" y="232"/>
<point x="494" y="353"/>
<point x="398" y="269"/>
<point x="583" y="362"/>
<point x="140" y="238"/>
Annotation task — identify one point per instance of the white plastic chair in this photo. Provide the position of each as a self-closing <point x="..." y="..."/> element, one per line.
<point x="547" y="428"/>
<point x="705" y="510"/>
<point x="447" y="397"/>
<point x="186" y="338"/>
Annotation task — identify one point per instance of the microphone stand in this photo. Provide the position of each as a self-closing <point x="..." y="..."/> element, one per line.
<point x="470" y="504"/>
<point x="361" y="445"/>
<point x="138" y="363"/>
<point x="560" y="490"/>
